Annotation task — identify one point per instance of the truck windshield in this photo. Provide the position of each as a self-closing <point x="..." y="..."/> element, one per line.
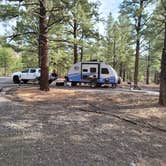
<point x="33" y="71"/>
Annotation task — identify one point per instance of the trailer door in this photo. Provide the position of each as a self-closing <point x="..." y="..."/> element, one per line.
<point x="90" y="69"/>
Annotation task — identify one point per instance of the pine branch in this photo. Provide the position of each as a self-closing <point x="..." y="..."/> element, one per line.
<point x="12" y="37"/>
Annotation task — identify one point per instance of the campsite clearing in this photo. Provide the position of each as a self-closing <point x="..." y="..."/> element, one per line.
<point x="82" y="126"/>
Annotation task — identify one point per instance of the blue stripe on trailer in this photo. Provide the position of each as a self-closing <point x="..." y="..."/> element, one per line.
<point x="109" y="80"/>
<point x="75" y="77"/>
<point x="113" y="80"/>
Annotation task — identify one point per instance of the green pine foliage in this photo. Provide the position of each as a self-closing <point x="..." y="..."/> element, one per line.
<point x="116" y="46"/>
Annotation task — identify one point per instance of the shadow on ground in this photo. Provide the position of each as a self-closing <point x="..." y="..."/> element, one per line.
<point x="68" y="127"/>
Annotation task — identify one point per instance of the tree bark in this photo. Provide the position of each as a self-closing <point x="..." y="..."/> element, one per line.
<point x="148" y="69"/>
<point x="5" y="68"/>
<point x="147" y="75"/>
<point x="148" y="66"/>
<point x="162" y="97"/>
<point x="39" y="52"/>
<point x="75" y="42"/>
<point x="43" y="46"/>
<point x="82" y="52"/>
<point x="137" y="54"/>
<point x="121" y="69"/>
<point x="124" y="75"/>
<point x="114" y="52"/>
<point x="82" y="48"/>
<point x="136" y="63"/>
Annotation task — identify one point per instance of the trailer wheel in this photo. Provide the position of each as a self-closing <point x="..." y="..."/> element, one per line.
<point x="93" y="84"/>
<point x="25" y="81"/>
<point x="73" y="83"/>
<point x="113" y="85"/>
<point x="98" y="85"/>
<point x="16" y="80"/>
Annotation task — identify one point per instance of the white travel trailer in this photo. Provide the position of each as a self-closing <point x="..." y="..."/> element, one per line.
<point x="94" y="72"/>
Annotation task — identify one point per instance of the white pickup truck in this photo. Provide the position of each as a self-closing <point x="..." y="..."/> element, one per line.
<point x="30" y="74"/>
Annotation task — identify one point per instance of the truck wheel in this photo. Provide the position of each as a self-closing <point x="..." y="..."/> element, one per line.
<point x="16" y="80"/>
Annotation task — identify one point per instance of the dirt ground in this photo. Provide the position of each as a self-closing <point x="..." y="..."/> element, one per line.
<point x="82" y="127"/>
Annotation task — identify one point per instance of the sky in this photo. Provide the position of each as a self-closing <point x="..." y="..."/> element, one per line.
<point x="109" y="6"/>
<point x="106" y="7"/>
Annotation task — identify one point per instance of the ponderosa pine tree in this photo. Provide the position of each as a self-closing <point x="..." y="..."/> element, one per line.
<point x="162" y="97"/>
<point x="80" y="23"/>
<point x="118" y="45"/>
<point x="135" y="9"/>
<point x="43" y="12"/>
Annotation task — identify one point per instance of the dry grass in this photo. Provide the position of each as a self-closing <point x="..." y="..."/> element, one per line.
<point x="68" y="126"/>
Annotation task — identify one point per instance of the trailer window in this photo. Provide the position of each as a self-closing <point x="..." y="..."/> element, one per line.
<point x="93" y="70"/>
<point x="84" y="70"/>
<point x="104" y="71"/>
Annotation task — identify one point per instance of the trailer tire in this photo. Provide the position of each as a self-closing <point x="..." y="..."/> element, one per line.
<point x="73" y="83"/>
<point x="113" y="85"/>
<point x="98" y="85"/>
<point x="25" y="81"/>
<point x="93" y="84"/>
<point x="59" y="83"/>
<point x="16" y="80"/>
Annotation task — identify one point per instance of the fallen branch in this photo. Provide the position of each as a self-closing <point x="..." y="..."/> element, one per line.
<point x="144" y="124"/>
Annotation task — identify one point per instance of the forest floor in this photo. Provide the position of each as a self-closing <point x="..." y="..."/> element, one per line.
<point x="82" y="127"/>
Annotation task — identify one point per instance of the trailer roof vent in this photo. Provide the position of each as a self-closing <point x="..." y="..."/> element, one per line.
<point x="94" y="60"/>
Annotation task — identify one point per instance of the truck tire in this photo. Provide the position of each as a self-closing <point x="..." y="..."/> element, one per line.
<point x="16" y="80"/>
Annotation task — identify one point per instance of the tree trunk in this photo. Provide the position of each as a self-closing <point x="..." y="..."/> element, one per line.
<point x="162" y="97"/>
<point x="75" y="42"/>
<point x="124" y="75"/>
<point x="148" y="70"/>
<point x="82" y="47"/>
<point x="39" y="52"/>
<point x="82" y="52"/>
<point x="5" y="68"/>
<point x="137" y="54"/>
<point x="121" y="69"/>
<point x="114" y="56"/>
<point x="136" y="63"/>
<point x="147" y="75"/>
<point x="43" y="46"/>
<point x="148" y="67"/>
<point x="156" y="77"/>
